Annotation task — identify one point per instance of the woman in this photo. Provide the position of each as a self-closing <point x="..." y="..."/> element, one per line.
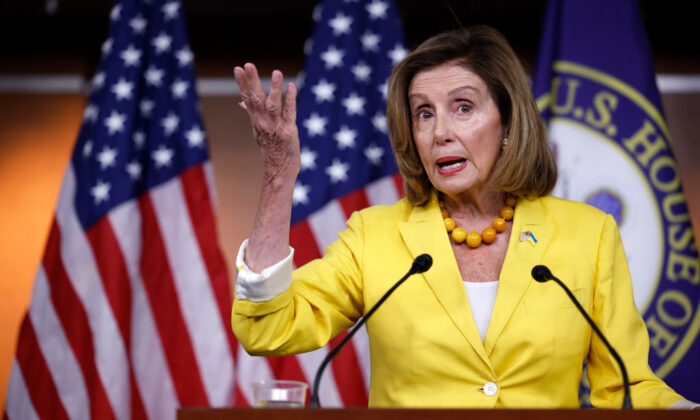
<point x="470" y="145"/>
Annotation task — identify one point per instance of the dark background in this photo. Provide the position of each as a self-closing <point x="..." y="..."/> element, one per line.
<point x="224" y="33"/>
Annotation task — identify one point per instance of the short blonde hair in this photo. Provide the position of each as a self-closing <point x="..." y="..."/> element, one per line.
<point x="525" y="167"/>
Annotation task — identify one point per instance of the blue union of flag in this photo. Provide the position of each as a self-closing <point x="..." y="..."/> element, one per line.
<point x="596" y="89"/>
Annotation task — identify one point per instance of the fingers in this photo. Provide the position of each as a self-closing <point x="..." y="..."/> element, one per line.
<point x="274" y="99"/>
<point x="289" y="113"/>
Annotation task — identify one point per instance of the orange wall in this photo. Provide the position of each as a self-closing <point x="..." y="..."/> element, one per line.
<point x="37" y="133"/>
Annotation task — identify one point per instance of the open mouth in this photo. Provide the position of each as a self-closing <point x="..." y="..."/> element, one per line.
<point x="448" y="165"/>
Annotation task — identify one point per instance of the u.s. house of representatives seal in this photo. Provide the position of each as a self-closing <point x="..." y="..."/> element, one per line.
<point x="613" y="151"/>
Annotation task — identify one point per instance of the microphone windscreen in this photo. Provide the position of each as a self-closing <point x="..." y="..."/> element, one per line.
<point x="422" y="263"/>
<point x="541" y="273"/>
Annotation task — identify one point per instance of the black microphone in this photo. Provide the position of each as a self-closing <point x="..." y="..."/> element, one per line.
<point x="542" y="274"/>
<point x="420" y="265"/>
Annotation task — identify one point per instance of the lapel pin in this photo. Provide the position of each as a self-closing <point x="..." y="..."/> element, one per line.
<point x="528" y="237"/>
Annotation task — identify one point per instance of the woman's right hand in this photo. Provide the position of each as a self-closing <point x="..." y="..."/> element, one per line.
<point x="275" y="130"/>
<point x="273" y="122"/>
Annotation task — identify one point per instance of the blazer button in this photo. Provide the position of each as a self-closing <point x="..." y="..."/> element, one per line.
<point x="490" y="389"/>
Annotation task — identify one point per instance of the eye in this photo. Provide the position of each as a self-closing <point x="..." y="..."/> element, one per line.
<point x="464" y="108"/>
<point x="423" y="114"/>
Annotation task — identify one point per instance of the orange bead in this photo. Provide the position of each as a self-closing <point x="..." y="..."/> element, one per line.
<point x="488" y="235"/>
<point x="510" y="201"/>
<point x="507" y="212"/>
<point x="459" y="235"/>
<point x="473" y="239"/>
<point x="445" y="213"/>
<point x="499" y="224"/>
<point x="441" y="204"/>
<point x="450" y="224"/>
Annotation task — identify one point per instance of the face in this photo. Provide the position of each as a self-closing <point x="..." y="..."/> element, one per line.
<point x="456" y="127"/>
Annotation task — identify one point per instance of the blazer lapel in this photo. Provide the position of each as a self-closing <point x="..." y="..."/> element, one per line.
<point x="424" y="232"/>
<point x="521" y="256"/>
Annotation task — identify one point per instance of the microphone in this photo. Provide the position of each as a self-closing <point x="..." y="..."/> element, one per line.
<point x="420" y="265"/>
<point x="542" y="274"/>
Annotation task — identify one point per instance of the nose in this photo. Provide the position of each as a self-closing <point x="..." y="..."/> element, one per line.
<point x="443" y="129"/>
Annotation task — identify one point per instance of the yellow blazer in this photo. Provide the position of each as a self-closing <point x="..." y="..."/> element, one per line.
<point x="425" y="349"/>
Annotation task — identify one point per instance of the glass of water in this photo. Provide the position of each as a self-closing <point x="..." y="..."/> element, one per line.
<point x="279" y="394"/>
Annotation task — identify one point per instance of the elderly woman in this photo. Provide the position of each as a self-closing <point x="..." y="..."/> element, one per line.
<point x="472" y="150"/>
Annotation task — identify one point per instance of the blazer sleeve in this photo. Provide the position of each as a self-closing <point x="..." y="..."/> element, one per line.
<point x="615" y="313"/>
<point x="324" y="299"/>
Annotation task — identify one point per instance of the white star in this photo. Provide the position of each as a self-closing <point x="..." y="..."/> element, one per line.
<point x="134" y="169"/>
<point x="397" y="54"/>
<point x="184" y="56"/>
<point x="170" y="10"/>
<point x="98" y="80"/>
<point x="354" y="104"/>
<point x="300" y="194"/>
<point x="131" y="56"/>
<point x="315" y="125"/>
<point x="377" y="9"/>
<point x="90" y="113"/>
<point x="146" y="107"/>
<point x="370" y="41"/>
<point x="374" y="154"/>
<point x="87" y="149"/>
<point x="116" y="12"/>
<point x="384" y="89"/>
<point x="179" y="88"/>
<point x="345" y="137"/>
<point x="107" y="157"/>
<point x="195" y="137"/>
<point x="340" y="24"/>
<point x="115" y="122"/>
<point x="333" y="57"/>
<point x="122" y="89"/>
<point x="163" y="156"/>
<point x="308" y="46"/>
<point x="308" y="159"/>
<point x="154" y="75"/>
<point x="100" y="191"/>
<point x="379" y="122"/>
<point x="324" y="91"/>
<point x="170" y="123"/>
<point x="361" y="71"/>
<point x="107" y="46"/>
<point x="338" y="171"/>
<point x="138" y="24"/>
<point x="139" y="139"/>
<point x="162" y="43"/>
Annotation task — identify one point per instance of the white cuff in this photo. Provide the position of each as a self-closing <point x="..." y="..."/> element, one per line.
<point x="263" y="286"/>
<point x="683" y="405"/>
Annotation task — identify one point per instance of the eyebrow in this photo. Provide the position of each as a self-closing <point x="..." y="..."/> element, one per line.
<point x="450" y="93"/>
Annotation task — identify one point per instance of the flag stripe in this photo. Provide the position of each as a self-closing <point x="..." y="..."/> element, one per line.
<point x="361" y="343"/>
<point x="76" y="325"/>
<point x="326" y="223"/>
<point x="173" y="332"/>
<point x="353" y="201"/>
<point x="250" y="369"/>
<point x="383" y="191"/>
<point x="33" y="367"/>
<point x="147" y="354"/>
<point x="112" y="269"/>
<point x="346" y="366"/>
<point x="302" y="240"/>
<point x="19" y="404"/>
<point x="200" y="209"/>
<point x="196" y="299"/>
<point x="53" y="343"/>
<point x="328" y="392"/>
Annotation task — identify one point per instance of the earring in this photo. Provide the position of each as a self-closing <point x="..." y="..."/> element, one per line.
<point x="505" y="142"/>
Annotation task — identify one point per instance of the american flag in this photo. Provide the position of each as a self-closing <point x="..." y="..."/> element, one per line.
<point x="346" y="165"/>
<point x="129" y="316"/>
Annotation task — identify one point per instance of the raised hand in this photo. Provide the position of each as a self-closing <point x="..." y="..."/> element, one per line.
<point x="273" y="122"/>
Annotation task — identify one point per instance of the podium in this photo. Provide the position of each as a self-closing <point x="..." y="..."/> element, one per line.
<point x="192" y="413"/>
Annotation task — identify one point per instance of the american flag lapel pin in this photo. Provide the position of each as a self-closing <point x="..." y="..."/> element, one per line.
<point x="528" y="237"/>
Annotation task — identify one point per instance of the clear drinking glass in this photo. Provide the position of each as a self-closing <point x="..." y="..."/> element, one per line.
<point x="279" y="394"/>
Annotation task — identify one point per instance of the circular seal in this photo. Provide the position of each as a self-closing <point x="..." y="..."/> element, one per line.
<point x="613" y="152"/>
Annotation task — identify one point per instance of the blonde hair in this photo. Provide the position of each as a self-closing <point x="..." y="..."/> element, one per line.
<point x="525" y="167"/>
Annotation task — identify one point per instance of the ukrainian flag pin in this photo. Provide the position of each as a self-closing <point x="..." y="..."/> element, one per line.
<point x="528" y="237"/>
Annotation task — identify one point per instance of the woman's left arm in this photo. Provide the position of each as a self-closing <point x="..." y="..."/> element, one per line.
<point x="616" y="314"/>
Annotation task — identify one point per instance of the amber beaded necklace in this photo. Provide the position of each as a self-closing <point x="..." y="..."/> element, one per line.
<point x="474" y="238"/>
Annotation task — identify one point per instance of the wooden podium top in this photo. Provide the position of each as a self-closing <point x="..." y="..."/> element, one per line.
<point x="193" y="413"/>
